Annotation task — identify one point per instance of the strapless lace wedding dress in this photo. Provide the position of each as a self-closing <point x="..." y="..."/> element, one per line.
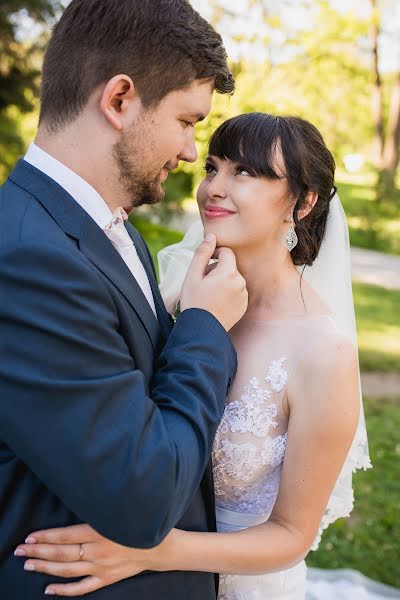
<point x="249" y="449"/>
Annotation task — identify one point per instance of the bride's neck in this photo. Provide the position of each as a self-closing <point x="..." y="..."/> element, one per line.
<point x="272" y="282"/>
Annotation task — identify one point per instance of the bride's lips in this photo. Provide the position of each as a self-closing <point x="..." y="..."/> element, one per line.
<point x="217" y="212"/>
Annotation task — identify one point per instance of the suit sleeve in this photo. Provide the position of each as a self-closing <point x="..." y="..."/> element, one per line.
<point x="75" y="409"/>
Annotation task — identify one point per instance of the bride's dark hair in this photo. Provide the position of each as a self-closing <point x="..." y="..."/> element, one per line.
<point x="253" y="138"/>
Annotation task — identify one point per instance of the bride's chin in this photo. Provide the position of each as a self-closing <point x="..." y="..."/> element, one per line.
<point x="223" y="239"/>
<point x="221" y="230"/>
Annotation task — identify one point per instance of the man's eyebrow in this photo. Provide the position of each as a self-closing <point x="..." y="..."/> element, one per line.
<point x="197" y="116"/>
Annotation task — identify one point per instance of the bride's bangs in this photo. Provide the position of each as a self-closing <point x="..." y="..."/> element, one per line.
<point x="252" y="140"/>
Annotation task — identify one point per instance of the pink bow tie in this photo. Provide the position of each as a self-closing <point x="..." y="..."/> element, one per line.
<point x="118" y="235"/>
<point x="115" y="229"/>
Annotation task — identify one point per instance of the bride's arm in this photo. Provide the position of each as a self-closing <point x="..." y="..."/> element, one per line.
<point x="323" y="420"/>
<point x="324" y="408"/>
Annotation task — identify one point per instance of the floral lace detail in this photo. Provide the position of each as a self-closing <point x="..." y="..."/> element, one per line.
<point x="246" y="454"/>
<point x="257" y="498"/>
<point x="277" y="376"/>
<point x="241" y="461"/>
<point x="227" y="591"/>
<point x="250" y="413"/>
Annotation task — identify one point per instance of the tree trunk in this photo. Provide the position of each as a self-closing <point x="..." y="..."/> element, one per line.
<point x="377" y="103"/>
<point x="391" y="150"/>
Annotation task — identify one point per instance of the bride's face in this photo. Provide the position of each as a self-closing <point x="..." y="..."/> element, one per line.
<point x="241" y="209"/>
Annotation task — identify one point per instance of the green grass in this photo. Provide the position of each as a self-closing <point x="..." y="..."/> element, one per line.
<point x="378" y="327"/>
<point x="372" y="225"/>
<point x="369" y="540"/>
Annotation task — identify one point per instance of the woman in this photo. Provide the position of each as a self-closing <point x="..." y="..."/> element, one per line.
<point x="293" y="409"/>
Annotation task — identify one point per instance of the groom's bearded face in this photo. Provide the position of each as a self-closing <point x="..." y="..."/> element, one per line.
<point x="157" y="140"/>
<point x="142" y="183"/>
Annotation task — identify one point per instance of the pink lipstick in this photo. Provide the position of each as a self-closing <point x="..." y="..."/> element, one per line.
<point x="217" y="212"/>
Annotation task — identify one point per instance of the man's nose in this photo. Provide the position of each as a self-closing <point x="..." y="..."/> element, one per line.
<point x="189" y="151"/>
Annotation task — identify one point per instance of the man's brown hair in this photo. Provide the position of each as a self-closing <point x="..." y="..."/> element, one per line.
<point x="163" y="45"/>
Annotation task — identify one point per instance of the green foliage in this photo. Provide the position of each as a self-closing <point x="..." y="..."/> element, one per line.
<point x="19" y="72"/>
<point x="156" y="236"/>
<point x="372" y="225"/>
<point x="177" y="186"/>
<point x="378" y="327"/>
<point x="11" y="144"/>
<point x="321" y="75"/>
<point x="368" y="540"/>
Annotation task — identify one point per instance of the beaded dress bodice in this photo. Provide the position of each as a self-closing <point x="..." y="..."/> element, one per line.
<point x="250" y="443"/>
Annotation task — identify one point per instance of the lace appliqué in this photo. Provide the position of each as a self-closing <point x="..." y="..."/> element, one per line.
<point x="249" y="414"/>
<point x="277" y="375"/>
<point x="228" y="592"/>
<point x="239" y="459"/>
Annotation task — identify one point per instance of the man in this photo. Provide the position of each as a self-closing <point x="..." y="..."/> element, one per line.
<point x="107" y="416"/>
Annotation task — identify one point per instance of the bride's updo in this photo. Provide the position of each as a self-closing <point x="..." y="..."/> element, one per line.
<point x="253" y="138"/>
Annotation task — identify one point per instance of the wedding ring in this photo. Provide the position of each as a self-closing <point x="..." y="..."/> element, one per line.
<point x="80" y="551"/>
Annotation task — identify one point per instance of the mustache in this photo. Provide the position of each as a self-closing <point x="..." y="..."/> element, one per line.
<point x="171" y="166"/>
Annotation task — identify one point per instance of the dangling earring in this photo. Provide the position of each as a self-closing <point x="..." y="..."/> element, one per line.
<point x="291" y="239"/>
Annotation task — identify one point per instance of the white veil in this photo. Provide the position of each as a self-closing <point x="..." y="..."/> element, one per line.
<point x="330" y="277"/>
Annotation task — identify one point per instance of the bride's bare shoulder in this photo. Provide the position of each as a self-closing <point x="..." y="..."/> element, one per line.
<point x="330" y="352"/>
<point x="327" y="375"/>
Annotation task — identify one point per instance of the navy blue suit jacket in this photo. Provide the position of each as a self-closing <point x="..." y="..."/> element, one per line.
<point x="107" y="414"/>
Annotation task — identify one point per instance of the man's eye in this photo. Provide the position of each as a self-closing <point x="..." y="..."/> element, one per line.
<point x="187" y="123"/>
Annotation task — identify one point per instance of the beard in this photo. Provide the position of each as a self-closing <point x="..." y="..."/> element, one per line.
<point x="140" y="184"/>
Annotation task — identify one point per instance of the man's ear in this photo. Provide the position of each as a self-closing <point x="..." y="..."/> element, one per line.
<point x="117" y="100"/>
<point x="308" y="204"/>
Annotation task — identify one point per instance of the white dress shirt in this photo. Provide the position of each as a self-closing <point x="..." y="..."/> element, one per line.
<point x="91" y="201"/>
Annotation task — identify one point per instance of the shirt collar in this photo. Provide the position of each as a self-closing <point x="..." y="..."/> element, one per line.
<point x="80" y="190"/>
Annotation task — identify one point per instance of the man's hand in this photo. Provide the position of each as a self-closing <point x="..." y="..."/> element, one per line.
<point x="221" y="290"/>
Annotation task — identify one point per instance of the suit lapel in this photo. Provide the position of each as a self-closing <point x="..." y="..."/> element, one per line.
<point x="100" y="251"/>
<point x="164" y="319"/>
<point x="75" y="221"/>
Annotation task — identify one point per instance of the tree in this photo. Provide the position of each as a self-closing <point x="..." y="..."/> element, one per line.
<point x="314" y="67"/>
<point x="19" y="70"/>
<point x="386" y="143"/>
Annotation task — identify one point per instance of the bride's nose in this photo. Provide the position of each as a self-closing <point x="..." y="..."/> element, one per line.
<point x="217" y="187"/>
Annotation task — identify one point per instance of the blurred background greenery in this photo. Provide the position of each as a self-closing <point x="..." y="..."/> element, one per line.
<point x="336" y="63"/>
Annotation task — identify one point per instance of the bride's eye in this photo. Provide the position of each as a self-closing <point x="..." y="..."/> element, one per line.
<point x="241" y="170"/>
<point x="209" y="168"/>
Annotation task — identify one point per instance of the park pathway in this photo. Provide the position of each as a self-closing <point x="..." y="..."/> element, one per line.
<point x="381" y="385"/>
<point x="368" y="266"/>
